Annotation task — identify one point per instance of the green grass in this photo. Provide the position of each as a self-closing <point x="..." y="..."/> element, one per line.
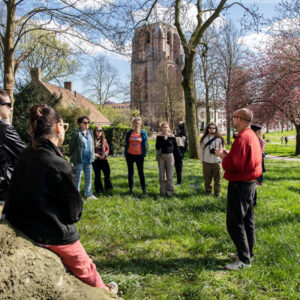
<point x="160" y="248"/>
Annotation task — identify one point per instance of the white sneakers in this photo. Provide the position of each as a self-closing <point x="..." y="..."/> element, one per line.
<point x="92" y="197"/>
<point x="237" y="265"/>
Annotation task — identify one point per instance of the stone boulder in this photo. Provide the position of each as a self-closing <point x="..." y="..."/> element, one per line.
<point x="31" y="272"/>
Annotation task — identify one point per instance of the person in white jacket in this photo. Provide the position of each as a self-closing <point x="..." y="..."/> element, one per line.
<point x="211" y="141"/>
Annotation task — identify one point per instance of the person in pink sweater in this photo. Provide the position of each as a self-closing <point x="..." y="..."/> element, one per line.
<point x="242" y="166"/>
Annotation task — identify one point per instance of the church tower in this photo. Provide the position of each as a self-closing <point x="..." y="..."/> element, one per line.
<point x="157" y="61"/>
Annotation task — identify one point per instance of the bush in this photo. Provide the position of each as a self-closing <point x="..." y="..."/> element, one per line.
<point x="116" y="138"/>
<point x="27" y="96"/>
<point x="70" y="115"/>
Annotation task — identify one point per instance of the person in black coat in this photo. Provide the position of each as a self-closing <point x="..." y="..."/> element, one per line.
<point x="182" y="143"/>
<point x="44" y="202"/>
<point x="11" y="145"/>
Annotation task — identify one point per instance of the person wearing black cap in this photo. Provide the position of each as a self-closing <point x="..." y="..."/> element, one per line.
<point x="259" y="180"/>
<point x="242" y="166"/>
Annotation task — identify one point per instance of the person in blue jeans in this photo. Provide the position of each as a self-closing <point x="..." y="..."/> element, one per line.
<point x="135" y="152"/>
<point x="82" y="155"/>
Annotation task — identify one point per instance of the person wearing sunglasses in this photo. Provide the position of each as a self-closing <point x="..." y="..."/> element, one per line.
<point x="82" y="155"/>
<point x="101" y="162"/>
<point x="212" y="169"/>
<point x="44" y="202"/>
<point x="11" y="145"/>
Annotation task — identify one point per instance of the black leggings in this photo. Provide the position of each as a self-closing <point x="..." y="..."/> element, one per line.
<point x="98" y="165"/>
<point x="139" y="160"/>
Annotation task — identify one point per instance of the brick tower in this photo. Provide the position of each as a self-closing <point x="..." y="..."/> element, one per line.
<point x="157" y="61"/>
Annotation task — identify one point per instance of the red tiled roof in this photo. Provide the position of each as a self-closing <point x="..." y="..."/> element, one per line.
<point x="75" y="99"/>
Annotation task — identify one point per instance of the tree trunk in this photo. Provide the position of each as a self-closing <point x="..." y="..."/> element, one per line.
<point x="190" y="106"/>
<point x="8" y="51"/>
<point x="297" y="152"/>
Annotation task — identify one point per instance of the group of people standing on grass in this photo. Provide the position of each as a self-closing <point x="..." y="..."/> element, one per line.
<point x="90" y="150"/>
<point x="44" y="202"/>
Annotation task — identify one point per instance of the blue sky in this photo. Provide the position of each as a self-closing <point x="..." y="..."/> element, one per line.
<point x="122" y="64"/>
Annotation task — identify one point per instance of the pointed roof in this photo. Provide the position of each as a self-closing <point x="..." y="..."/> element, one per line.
<point x="70" y="98"/>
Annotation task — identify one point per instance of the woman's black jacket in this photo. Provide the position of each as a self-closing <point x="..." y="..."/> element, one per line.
<point x="44" y="202"/>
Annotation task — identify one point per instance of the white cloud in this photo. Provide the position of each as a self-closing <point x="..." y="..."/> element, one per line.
<point x="287" y="24"/>
<point x="255" y="41"/>
<point x="90" y="4"/>
<point x="188" y="16"/>
<point x="259" y="41"/>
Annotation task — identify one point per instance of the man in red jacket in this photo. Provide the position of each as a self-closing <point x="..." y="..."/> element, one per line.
<point x="242" y="166"/>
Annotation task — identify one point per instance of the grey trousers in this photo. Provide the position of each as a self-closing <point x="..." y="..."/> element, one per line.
<point x="165" y="165"/>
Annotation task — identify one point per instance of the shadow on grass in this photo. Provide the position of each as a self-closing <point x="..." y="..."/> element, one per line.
<point x="207" y="207"/>
<point x="142" y="266"/>
<point x="294" y="189"/>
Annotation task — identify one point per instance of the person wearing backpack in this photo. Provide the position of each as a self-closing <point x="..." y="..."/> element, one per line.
<point x="212" y="169"/>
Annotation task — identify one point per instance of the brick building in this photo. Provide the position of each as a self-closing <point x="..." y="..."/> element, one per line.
<point x="69" y="98"/>
<point x="157" y="61"/>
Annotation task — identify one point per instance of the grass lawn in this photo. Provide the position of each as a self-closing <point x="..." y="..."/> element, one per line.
<point x="159" y="248"/>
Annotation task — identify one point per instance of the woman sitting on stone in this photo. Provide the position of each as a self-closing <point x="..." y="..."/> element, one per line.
<point x="101" y="163"/>
<point x="44" y="202"/>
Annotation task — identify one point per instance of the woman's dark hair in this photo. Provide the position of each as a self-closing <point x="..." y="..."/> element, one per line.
<point x="81" y="118"/>
<point x="95" y="136"/>
<point x="181" y="129"/>
<point x="42" y="119"/>
<point x="216" y="133"/>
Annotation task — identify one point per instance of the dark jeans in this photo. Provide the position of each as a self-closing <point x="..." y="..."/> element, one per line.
<point x="139" y="160"/>
<point x="178" y="168"/>
<point x="98" y="166"/>
<point x="240" y="218"/>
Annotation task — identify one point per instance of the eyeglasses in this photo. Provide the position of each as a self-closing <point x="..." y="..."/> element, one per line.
<point x="66" y="126"/>
<point x="214" y="128"/>
<point x="6" y="103"/>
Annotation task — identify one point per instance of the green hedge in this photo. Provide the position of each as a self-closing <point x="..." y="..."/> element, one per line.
<point x="116" y="138"/>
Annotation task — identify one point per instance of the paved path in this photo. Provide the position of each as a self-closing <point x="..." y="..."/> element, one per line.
<point x="282" y="158"/>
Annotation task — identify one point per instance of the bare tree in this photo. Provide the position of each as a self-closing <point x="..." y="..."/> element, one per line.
<point x="229" y="57"/>
<point x="102" y="80"/>
<point x="76" y="20"/>
<point x="54" y="57"/>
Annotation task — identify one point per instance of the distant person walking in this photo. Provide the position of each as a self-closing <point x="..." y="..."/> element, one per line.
<point x="286" y="139"/>
<point x="166" y="148"/>
<point x="281" y="139"/>
<point x="82" y="155"/>
<point x="135" y="152"/>
<point x="101" y="163"/>
<point x="212" y="169"/>
<point x="182" y="143"/>
<point x="242" y="166"/>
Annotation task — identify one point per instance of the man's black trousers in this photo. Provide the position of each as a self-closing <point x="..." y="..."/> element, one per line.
<point x="240" y="217"/>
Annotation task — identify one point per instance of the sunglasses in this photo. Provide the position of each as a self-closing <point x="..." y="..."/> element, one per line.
<point x="99" y="130"/>
<point x="86" y="122"/>
<point x="6" y="103"/>
<point x="211" y="127"/>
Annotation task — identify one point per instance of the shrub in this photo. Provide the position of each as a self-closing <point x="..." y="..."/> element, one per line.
<point x="116" y="138"/>
<point x="27" y="96"/>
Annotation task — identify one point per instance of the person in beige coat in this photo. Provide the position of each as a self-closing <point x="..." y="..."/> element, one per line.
<point x="166" y="146"/>
<point x="212" y="169"/>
